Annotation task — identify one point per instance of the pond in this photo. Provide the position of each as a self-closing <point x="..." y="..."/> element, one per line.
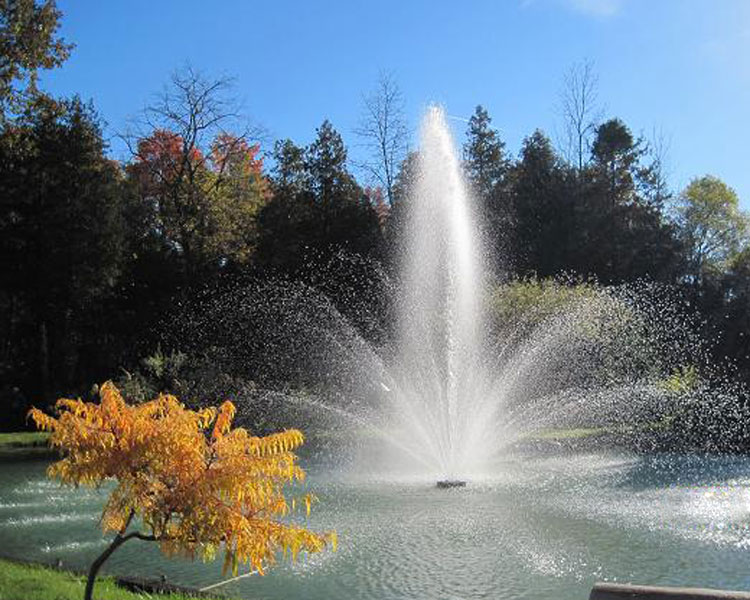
<point x="546" y="527"/>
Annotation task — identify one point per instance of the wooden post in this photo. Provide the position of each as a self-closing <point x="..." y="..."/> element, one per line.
<point x="617" y="591"/>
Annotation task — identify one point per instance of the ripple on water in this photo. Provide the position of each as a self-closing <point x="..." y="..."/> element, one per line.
<point x="71" y="547"/>
<point x="545" y="528"/>
<point x="48" y="519"/>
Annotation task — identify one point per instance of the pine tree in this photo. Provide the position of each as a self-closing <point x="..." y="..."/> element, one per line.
<point x="485" y="163"/>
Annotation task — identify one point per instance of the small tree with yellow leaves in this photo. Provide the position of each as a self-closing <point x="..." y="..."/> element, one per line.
<point x="191" y="482"/>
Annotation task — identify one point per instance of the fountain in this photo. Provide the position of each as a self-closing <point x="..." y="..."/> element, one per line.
<point x="460" y="383"/>
<point x="440" y="312"/>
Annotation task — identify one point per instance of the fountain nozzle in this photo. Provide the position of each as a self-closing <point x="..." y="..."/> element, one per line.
<point x="450" y="483"/>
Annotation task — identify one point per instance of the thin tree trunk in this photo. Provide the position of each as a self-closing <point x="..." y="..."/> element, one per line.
<point x="119" y="540"/>
<point x="96" y="565"/>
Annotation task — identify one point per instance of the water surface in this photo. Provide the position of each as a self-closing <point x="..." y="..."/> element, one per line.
<point x="544" y="528"/>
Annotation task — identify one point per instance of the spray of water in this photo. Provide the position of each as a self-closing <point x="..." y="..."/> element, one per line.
<point x="440" y="311"/>
<point x="468" y="374"/>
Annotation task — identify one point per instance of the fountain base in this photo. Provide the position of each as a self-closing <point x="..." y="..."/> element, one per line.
<point x="450" y="483"/>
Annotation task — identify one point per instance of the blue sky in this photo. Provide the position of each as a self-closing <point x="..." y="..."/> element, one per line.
<point x="679" y="67"/>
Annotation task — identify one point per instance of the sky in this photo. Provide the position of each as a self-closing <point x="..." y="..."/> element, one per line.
<point x="675" y="69"/>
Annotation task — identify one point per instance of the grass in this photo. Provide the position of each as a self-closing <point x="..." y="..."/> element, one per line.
<point x="24" y="444"/>
<point x="663" y="424"/>
<point x="24" y="439"/>
<point x="33" y="582"/>
<point x="567" y="434"/>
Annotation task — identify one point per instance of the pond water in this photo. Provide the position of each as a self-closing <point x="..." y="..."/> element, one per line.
<point x="546" y="527"/>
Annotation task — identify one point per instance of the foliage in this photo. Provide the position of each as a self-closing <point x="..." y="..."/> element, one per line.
<point x="195" y="483"/>
<point x="159" y="372"/>
<point x="97" y="255"/>
<point x="532" y="301"/>
<point x="198" y="177"/>
<point x="198" y="378"/>
<point x="712" y="224"/>
<point x="624" y="233"/>
<point x="543" y="209"/>
<point x="487" y="169"/>
<point x="203" y="208"/>
<point x="683" y="380"/>
<point x="28" y="42"/>
<point x="616" y="155"/>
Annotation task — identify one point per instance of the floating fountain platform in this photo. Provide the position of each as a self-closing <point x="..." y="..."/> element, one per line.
<point x="450" y="483"/>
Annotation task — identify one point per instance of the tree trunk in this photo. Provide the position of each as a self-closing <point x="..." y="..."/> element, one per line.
<point x="96" y="565"/>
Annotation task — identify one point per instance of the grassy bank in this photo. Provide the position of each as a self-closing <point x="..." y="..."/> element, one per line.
<point x="24" y="439"/>
<point x="24" y="444"/>
<point x="33" y="582"/>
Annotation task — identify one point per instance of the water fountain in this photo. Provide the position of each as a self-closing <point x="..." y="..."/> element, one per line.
<point x="471" y="386"/>
<point x="440" y="311"/>
<point x="456" y="385"/>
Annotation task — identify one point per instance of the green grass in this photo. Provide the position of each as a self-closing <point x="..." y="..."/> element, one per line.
<point x="663" y="424"/>
<point x="24" y="439"/>
<point x="24" y="444"/>
<point x="31" y="582"/>
<point x="567" y="434"/>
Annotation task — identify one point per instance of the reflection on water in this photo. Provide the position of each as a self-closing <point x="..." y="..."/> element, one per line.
<point x="545" y="528"/>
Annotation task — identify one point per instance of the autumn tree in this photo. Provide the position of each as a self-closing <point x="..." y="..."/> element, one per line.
<point x="184" y="479"/>
<point x="199" y="174"/>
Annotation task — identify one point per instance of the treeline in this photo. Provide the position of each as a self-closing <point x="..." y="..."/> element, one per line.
<point x="97" y="253"/>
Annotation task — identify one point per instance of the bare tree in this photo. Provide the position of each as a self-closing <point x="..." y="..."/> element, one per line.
<point x="199" y="110"/>
<point x="580" y="110"/>
<point x="655" y="176"/>
<point x="384" y="133"/>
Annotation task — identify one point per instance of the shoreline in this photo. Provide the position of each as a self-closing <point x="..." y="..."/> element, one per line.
<point x="134" y="584"/>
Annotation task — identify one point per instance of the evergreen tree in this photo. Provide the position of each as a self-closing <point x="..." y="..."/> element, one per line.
<point x="486" y="168"/>
<point x="485" y="163"/>
<point x="616" y="155"/>
<point x="289" y="173"/>
<point x="542" y="206"/>
<point x="623" y="235"/>
<point x="317" y="207"/>
<point x="61" y="240"/>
